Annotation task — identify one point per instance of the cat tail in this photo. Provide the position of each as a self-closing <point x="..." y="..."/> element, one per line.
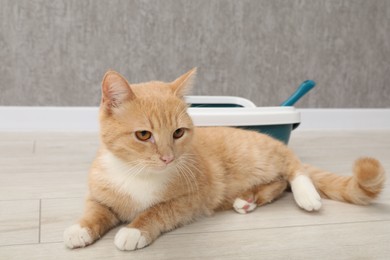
<point x="361" y="188"/>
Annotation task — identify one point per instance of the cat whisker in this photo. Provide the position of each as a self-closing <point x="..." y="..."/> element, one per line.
<point x="192" y="175"/>
<point x="138" y="170"/>
<point x="183" y="175"/>
<point x="135" y="168"/>
<point x="190" y="158"/>
<point x="189" y="175"/>
<point x="131" y="171"/>
<point x="194" y="163"/>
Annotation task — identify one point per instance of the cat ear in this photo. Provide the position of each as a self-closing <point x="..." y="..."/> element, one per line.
<point x="183" y="84"/>
<point x="115" y="89"/>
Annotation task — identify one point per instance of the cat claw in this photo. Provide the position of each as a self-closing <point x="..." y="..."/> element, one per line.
<point x="243" y="207"/>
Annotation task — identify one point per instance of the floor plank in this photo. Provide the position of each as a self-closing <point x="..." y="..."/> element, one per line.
<point x="37" y="184"/>
<point x="56" y="215"/>
<point x="19" y="222"/>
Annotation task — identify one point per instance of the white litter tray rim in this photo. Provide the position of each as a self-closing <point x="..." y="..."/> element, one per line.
<point x="219" y="100"/>
<point x="244" y="116"/>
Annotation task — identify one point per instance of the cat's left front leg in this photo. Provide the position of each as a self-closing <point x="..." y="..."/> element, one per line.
<point x="148" y="226"/>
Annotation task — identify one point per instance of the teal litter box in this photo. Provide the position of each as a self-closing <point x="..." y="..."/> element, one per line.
<point x="277" y="122"/>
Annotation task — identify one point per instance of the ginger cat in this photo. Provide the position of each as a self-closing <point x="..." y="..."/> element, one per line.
<point x="155" y="171"/>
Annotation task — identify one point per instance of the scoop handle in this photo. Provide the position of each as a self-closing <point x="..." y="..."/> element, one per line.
<point x="305" y="87"/>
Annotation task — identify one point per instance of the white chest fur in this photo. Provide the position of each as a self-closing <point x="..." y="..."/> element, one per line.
<point x="143" y="187"/>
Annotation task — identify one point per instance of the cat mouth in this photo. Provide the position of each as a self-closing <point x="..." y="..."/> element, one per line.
<point x="160" y="168"/>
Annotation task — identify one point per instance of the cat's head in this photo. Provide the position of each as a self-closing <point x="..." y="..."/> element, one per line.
<point x="147" y="124"/>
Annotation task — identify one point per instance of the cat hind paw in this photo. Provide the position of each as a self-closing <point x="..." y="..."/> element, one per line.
<point x="305" y="194"/>
<point x="243" y="207"/>
<point x="76" y="236"/>
<point x="128" y="239"/>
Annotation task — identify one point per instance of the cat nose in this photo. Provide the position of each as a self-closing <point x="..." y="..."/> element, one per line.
<point x="167" y="158"/>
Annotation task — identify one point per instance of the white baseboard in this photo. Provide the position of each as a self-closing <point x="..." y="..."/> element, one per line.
<point x="49" y="119"/>
<point x="86" y="119"/>
<point x="344" y="119"/>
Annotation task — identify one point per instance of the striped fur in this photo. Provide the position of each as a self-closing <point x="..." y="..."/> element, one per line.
<point x="210" y="169"/>
<point x="361" y="188"/>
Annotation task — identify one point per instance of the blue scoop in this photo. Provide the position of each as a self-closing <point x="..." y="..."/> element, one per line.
<point x="305" y="87"/>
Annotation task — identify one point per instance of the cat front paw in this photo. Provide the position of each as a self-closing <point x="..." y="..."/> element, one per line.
<point x="243" y="207"/>
<point x="76" y="236"/>
<point x="129" y="239"/>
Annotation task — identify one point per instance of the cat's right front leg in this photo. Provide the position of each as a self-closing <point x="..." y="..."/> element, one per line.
<point x="96" y="221"/>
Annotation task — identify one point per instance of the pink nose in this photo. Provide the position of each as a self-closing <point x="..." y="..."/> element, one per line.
<point x="167" y="158"/>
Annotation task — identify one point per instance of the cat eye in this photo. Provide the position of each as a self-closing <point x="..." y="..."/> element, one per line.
<point x="178" y="133"/>
<point x="143" y="135"/>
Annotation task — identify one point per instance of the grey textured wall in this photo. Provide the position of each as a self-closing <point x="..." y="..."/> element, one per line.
<point x="55" y="52"/>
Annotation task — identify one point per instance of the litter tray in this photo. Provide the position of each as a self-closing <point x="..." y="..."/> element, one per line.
<point x="277" y="122"/>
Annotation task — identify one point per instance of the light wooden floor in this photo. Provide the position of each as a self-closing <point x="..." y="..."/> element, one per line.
<point x="43" y="182"/>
